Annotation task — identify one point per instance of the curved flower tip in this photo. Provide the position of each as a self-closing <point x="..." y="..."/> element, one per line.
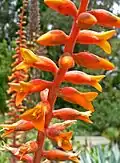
<point x="60" y="155"/>
<point x="32" y="60"/>
<point x="105" y="18"/>
<point x="78" y="77"/>
<point x="97" y="38"/>
<point x="86" y="20"/>
<point x="72" y="114"/>
<point x="21" y="125"/>
<point x="89" y="60"/>
<point x="65" y="7"/>
<point x="83" y="99"/>
<point x="37" y="115"/>
<point x="53" y="38"/>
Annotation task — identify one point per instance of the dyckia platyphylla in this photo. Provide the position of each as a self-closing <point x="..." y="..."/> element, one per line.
<point x="41" y="115"/>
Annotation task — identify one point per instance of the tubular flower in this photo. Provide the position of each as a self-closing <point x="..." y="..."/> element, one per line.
<point x="32" y="60"/>
<point x="105" y="18"/>
<point x="97" y="38"/>
<point x="25" y="88"/>
<point x="37" y="115"/>
<point x="53" y="38"/>
<point x="55" y="129"/>
<point x="60" y="155"/>
<point x="21" y="125"/>
<point x="28" y="147"/>
<point x="92" y="61"/>
<point x="65" y="7"/>
<point x="72" y="114"/>
<point x="86" y="20"/>
<point x="78" y="77"/>
<point x="83" y="99"/>
<point x="15" y="152"/>
<point x="62" y="140"/>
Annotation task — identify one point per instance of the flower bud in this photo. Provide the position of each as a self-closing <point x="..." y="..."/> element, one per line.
<point x="66" y="61"/>
<point x="53" y="38"/>
<point x="105" y="18"/>
<point x="90" y="60"/>
<point x="65" y="7"/>
<point x="86" y="20"/>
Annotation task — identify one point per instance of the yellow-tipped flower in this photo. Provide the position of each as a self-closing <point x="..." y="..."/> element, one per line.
<point x="83" y="99"/>
<point x="97" y="38"/>
<point x="78" y="77"/>
<point x="32" y="60"/>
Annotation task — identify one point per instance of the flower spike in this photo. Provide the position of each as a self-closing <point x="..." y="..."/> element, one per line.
<point x="78" y="77"/>
<point x="32" y="60"/>
<point x="53" y="38"/>
<point x="65" y="7"/>
<point x="97" y="38"/>
<point x="90" y="60"/>
<point x="60" y="155"/>
<point x="72" y="114"/>
<point x="83" y="99"/>
<point x="106" y="18"/>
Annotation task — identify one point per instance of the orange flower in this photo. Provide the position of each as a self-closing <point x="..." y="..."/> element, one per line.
<point x="32" y="60"/>
<point x="65" y="7"/>
<point x="105" y="18"/>
<point x="79" y="77"/>
<point x="21" y="125"/>
<point x="29" y="147"/>
<point x="86" y="20"/>
<point x="37" y="115"/>
<point x="92" y="61"/>
<point x="63" y="140"/>
<point x="55" y="129"/>
<point x="83" y="99"/>
<point x="97" y="38"/>
<point x="25" y="88"/>
<point x="72" y="114"/>
<point x="60" y="155"/>
<point x="15" y="152"/>
<point x="53" y="38"/>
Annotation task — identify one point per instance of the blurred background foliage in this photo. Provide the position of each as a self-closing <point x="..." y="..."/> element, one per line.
<point x="107" y="105"/>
